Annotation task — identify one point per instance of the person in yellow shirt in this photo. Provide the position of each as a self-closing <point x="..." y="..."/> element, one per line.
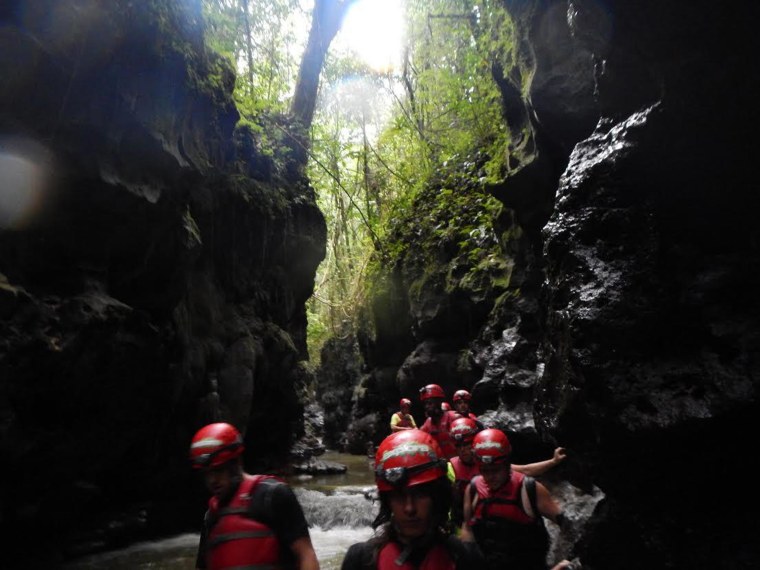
<point x="402" y="419"/>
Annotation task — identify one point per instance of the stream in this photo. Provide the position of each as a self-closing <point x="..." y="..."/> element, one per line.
<point x="335" y="506"/>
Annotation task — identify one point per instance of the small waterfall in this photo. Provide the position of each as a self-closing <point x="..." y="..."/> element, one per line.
<point x="337" y="520"/>
<point x="344" y="507"/>
<point x="339" y="512"/>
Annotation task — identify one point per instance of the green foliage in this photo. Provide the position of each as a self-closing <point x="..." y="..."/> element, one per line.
<point x="260" y="39"/>
<point x="457" y="105"/>
<point x="387" y="177"/>
<point x="453" y="237"/>
<point x="214" y="78"/>
<point x="424" y="211"/>
<point x="317" y="330"/>
<point x="266" y="134"/>
<point x="180" y="41"/>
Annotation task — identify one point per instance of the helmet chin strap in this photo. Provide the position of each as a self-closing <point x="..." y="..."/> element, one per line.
<point x="413" y="544"/>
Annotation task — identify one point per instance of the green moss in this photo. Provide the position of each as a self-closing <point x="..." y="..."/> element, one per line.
<point x="216" y="78"/>
<point x="179" y="40"/>
<point x="456" y="238"/>
<point x="429" y="279"/>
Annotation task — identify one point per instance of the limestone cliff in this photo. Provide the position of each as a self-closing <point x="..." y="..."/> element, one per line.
<point x="154" y="264"/>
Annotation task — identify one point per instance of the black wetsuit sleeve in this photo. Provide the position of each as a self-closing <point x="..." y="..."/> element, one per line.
<point x="358" y="557"/>
<point x="276" y="505"/>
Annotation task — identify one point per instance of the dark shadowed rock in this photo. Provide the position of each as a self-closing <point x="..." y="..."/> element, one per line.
<point x="337" y="376"/>
<point x="651" y="266"/>
<point x="628" y="329"/>
<point x="154" y="281"/>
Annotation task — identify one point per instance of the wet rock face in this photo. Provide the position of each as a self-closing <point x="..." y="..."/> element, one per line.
<point x="486" y="338"/>
<point x="652" y="344"/>
<point x="339" y="368"/>
<point x="562" y="84"/>
<point x="634" y="340"/>
<point x="153" y="270"/>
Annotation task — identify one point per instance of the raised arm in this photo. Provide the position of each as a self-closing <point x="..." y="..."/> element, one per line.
<point x="541" y="467"/>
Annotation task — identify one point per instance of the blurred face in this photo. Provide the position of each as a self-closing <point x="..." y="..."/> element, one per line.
<point x="494" y="474"/>
<point x="464" y="451"/>
<point x="405" y="408"/>
<point x="222" y="481"/>
<point x="433" y="407"/>
<point x="412" y="511"/>
<point x="462" y="407"/>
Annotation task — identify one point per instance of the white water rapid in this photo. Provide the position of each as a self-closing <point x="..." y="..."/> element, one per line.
<point x="338" y="512"/>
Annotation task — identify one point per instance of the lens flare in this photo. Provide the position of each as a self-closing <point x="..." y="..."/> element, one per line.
<point x="25" y="182"/>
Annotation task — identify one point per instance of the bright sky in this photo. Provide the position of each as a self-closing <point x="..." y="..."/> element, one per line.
<point x="373" y="29"/>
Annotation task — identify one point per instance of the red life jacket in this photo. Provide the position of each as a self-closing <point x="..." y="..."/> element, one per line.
<point x="508" y="537"/>
<point x="463" y="473"/>
<point x="438" y="558"/>
<point x="505" y="503"/>
<point x="440" y="432"/>
<point x="235" y="540"/>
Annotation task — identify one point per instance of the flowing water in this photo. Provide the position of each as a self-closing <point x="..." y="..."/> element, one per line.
<point x="338" y="512"/>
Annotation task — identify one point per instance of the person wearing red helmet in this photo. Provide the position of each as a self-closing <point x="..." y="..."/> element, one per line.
<point x="403" y="419"/>
<point x="464" y="467"/>
<point x="252" y="520"/>
<point x="461" y="401"/>
<point x="438" y="421"/>
<point x="410" y="528"/>
<point x="503" y="508"/>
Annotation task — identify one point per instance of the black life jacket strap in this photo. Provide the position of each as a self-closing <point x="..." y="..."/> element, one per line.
<point x="530" y="487"/>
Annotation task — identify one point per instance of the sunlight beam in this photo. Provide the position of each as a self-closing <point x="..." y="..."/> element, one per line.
<point x="373" y="29"/>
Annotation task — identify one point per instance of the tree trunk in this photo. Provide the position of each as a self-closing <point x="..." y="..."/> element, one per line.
<point x="325" y="23"/>
<point x="248" y="44"/>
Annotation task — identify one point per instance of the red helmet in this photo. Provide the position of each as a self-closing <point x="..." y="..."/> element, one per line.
<point x="491" y="446"/>
<point x="462" y="395"/>
<point x="215" y="445"/>
<point x="407" y="458"/>
<point x="405" y="402"/>
<point x="463" y="430"/>
<point x="431" y="391"/>
<point x="445" y="406"/>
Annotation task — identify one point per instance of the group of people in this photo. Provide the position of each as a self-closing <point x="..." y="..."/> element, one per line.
<point x="484" y="480"/>
<point x="450" y="499"/>
<point x="439" y="415"/>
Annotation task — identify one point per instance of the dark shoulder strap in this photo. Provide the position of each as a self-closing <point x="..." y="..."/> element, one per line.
<point x="260" y="507"/>
<point x="208" y="521"/>
<point x="530" y="487"/>
<point x="360" y="556"/>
